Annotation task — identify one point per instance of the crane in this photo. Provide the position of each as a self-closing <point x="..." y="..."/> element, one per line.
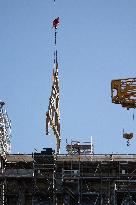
<point x="123" y="92"/>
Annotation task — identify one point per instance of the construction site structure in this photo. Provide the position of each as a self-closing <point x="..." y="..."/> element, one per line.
<point x="78" y="177"/>
<point x="48" y="179"/>
<point x="5" y="131"/>
<point x="123" y="91"/>
<point x="53" y="112"/>
<point x="76" y="148"/>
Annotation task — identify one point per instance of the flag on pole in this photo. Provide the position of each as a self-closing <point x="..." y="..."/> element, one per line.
<point x="56" y="23"/>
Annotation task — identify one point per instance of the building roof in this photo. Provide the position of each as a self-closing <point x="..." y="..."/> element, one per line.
<point x="18" y="158"/>
<point x="98" y="157"/>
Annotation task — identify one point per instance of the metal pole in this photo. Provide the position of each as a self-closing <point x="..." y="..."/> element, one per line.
<point x="54" y="182"/>
<point x="101" y="186"/>
<point x="3" y="184"/>
<point x="79" y="197"/>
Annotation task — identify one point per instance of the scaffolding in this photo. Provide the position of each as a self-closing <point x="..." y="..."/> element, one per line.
<point x="47" y="178"/>
<point x="44" y="177"/>
<point x="5" y="131"/>
<point x="96" y="179"/>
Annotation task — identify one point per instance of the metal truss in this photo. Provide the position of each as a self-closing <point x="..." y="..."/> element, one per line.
<point x="123" y="91"/>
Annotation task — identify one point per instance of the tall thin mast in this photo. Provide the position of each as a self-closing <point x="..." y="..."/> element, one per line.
<point x="53" y="113"/>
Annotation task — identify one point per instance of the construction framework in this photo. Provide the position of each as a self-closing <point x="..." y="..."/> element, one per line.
<point x="123" y="91"/>
<point x="47" y="178"/>
<point x="5" y="131"/>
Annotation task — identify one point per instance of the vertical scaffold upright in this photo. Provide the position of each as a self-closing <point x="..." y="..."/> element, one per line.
<point x="5" y="131"/>
<point x="5" y="146"/>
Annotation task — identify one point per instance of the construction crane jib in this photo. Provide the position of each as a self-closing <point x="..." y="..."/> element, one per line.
<point x="123" y="92"/>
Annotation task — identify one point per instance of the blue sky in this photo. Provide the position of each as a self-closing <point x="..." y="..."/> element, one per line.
<point x="96" y="43"/>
